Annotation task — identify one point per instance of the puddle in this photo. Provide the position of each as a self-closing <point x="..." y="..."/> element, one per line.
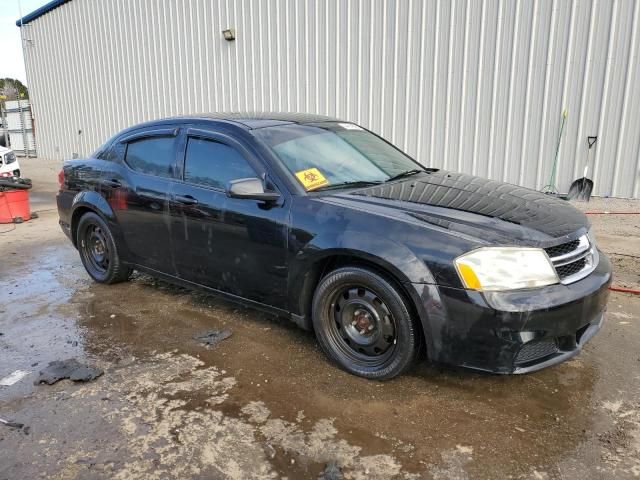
<point x="173" y="397"/>
<point x="414" y="418"/>
<point x="39" y="322"/>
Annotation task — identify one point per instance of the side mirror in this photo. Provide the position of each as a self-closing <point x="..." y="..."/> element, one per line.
<point x="252" y="189"/>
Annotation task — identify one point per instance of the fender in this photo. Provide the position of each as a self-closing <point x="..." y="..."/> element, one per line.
<point x="389" y="256"/>
<point x="392" y="256"/>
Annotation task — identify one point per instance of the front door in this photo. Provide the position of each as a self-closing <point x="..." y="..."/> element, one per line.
<point x="233" y="245"/>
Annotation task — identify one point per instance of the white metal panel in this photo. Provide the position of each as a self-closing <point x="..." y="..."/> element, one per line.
<point x="16" y="104"/>
<point x="471" y="85"/>
<point x="18" y="120"/>
<point x="17" y="139"/>
<point x="19" y="124"/>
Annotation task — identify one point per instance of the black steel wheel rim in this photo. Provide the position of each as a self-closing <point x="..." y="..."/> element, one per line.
<point x="95" y="248"/>
<point x="361" y="327"/>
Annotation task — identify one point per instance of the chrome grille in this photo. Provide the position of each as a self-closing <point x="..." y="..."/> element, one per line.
<point x="569" y="269"/>
<point x="573" y="260"/>
<point x="563" y="248"/>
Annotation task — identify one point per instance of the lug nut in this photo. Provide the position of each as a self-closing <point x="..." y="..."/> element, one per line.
<point x="353" y="324"/>
<point x="370" y="327"/>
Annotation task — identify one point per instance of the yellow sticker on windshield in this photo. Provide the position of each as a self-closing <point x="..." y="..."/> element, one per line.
<point x="311" y="178"/>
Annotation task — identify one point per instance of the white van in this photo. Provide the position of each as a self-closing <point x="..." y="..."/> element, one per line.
<point x="9" y="166"/>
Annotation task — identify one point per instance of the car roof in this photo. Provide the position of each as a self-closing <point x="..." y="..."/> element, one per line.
<point x="249" y="120"/>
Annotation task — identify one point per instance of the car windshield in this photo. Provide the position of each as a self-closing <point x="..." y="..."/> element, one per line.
<point x="334" y="155"/>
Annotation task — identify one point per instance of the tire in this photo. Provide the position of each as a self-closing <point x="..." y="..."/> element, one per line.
<point x="98" y="250"/>
<point x="363" y="324"/>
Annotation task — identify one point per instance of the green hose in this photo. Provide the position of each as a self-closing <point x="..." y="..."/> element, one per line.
<point x="551" y="186"/>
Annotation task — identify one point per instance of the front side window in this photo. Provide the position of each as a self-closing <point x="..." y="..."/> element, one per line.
<point x="333" y="153"/>
<point x="152" y="155"/>
<point x="214" y="164"/>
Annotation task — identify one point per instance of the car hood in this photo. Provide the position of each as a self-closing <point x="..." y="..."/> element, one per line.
<point x="4" y="150"/>
<point x="488" y="210"/>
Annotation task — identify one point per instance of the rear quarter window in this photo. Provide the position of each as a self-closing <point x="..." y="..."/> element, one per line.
<point x="153" y="156"/>
<point x="103" y="153"/>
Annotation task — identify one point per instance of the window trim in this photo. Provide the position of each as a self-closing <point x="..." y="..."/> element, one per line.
<point x="155" y="133"/>
<point x="216" y="137"/>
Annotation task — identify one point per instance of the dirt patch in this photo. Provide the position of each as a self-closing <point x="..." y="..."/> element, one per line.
<point x="626" y="270"/>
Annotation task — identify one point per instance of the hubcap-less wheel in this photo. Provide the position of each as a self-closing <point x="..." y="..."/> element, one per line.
<point x="362" y="322"/>
<point x="99" y="251"/>
<point x="95" y="248"/>
<point x="363" y="328"/>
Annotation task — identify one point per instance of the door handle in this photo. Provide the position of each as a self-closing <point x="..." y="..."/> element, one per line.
<point x="112" y="183"/>
<point x="185" y="199"/>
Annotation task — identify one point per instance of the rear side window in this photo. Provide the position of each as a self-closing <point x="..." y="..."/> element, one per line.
<point x="214" y="164"/>
<point x="152" y="155"/>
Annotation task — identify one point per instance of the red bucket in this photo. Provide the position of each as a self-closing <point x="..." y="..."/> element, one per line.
<point x="14" y="204"/>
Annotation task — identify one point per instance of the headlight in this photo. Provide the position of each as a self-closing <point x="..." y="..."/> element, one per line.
<point x="505" y="268"/>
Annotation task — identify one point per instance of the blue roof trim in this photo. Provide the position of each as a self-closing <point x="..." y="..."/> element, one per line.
<point x="40" y="12"/>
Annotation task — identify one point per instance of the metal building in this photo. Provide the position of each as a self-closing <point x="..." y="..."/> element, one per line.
<point x="472" y="85"/>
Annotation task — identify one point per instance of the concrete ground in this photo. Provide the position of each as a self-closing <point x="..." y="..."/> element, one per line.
<point x="265" y="403"/>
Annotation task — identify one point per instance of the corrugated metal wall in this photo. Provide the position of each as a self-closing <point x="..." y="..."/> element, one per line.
<point x="477" y="86"/>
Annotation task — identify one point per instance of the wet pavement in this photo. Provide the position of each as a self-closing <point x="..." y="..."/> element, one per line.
<point x="265" y="403"/>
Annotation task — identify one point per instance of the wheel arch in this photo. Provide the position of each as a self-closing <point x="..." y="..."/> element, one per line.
<point x="75" y="219"/>
<point x="308" y="281"/>
<point x="86" y="202"/>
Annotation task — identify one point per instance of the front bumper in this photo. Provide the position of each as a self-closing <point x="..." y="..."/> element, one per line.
<point x="513" y="332"/>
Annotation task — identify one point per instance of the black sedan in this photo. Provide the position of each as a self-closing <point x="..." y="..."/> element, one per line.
<point x="324" y="222"/>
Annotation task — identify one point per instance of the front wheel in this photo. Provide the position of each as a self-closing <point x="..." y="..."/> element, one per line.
<point x="98" y="250"/>
<point x="363" y="324"/>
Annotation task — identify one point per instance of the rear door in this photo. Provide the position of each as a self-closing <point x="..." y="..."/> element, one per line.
<point x="137" y="190"/>
<point x="237" y="246"/>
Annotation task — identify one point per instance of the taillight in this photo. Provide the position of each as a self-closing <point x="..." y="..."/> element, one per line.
<point x="61" y="178"/>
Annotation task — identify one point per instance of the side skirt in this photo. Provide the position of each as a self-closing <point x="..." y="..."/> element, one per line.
<point x="218" y="293"/>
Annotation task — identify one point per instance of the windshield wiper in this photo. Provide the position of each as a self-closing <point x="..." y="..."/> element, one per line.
<point x="408" y="173"/>
<point x="356" y="183"/>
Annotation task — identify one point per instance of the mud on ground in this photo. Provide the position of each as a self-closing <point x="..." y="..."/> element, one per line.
<point x="265" y="403"/>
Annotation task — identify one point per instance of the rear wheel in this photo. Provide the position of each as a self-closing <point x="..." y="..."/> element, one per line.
<point x="98" y="250"/>
<point x="363" y="324"/>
